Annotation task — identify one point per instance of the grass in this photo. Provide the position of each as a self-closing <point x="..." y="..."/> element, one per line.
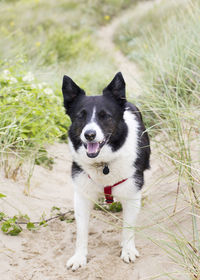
<point x="40" y="41"/>
<point x="27" y="118"/>
<point x="165" y="44"/>
<point x="57" y="37"/>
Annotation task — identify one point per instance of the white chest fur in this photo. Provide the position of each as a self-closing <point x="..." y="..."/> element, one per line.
<point x="120" y="163"/>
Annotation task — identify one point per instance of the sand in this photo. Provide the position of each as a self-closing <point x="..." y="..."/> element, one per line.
<point x="43" y="254"/>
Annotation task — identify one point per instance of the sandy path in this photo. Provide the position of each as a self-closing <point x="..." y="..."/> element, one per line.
<point x="43" y="254"/>
<point x="130" y="70"/>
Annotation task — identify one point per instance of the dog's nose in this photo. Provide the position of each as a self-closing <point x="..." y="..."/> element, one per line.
<point x="90" y="134"/>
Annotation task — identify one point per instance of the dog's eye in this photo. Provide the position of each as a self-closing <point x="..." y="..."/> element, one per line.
<point x="82" y="114"/>
<point x="104" y="116"/>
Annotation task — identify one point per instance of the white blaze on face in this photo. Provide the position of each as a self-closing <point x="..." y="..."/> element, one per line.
<point x="92" y="125"/>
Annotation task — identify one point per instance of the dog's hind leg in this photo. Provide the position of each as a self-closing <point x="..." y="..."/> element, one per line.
<point x="131" y="209"/>
<point x="82" y="208"/>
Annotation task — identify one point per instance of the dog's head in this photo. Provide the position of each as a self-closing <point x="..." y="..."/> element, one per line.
<point x="96" y="120"/>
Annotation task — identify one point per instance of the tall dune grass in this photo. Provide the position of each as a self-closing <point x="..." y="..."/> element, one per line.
<point x="166" y="46"/>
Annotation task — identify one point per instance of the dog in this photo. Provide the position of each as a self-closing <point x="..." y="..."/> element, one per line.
<point x="110" y="150"/>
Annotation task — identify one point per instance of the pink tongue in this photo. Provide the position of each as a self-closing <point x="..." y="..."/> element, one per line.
<point x="92" y="148"/>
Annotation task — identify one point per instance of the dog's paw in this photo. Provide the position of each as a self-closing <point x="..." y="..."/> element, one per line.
<point x="77" y="261"/>
<point x="129" y="253"/>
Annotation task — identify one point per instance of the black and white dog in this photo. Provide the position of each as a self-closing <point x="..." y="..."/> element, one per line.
<point x="110" y="150"/>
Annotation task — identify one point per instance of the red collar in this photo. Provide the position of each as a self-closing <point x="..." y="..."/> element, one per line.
<point x="108" y="190"/>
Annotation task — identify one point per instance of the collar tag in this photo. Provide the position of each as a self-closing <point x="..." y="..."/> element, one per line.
<point x="106" y="170"/>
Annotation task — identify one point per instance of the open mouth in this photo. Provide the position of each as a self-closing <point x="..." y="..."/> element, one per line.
<point x="93" y="148"/>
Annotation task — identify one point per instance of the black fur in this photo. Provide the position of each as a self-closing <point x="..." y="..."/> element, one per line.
<point x="76" y="169"/>
<point x="110" y="119"/>
<point x="110" y="108"/>
<point x="71" y="93"/>
<point x="116" y="89"/>
<point x="142" y="161"/>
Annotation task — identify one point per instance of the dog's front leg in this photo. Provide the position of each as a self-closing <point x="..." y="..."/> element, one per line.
<point x="82" y="208"/>
<point x="131" y="209"/>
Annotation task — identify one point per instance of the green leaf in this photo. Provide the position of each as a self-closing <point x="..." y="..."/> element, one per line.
<point x="42" y="223"/>
<point x="30" y="226"/>
<point x="55" y="208"/>
<point x="68" y="221"/>
<point x="15" y="231"/>
<point x="115" y="207"/>
<point x="2" y="195"/>
<point x="26" y="217"/>
<point x="2" y="215"/>
<point x="10" y="227"/>
<point x="5" y="226"/>
<point x="62" y="218"/>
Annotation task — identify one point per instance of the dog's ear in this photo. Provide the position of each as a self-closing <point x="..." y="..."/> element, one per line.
<point x="70" y="92"/>
<point x="116" y="89"/>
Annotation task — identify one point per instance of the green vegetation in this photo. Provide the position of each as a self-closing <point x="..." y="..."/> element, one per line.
<point x="39" y="42"/>
<point x="164" y="41"/>
<point x="14" y="225"/>
<point x="27" y="118"/>
<point x="113" y="207"/>
<point x="57" y="37"/>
